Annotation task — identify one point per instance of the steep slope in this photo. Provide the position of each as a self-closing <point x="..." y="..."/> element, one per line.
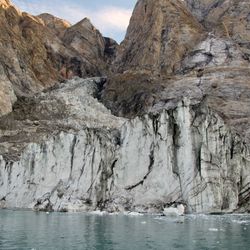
<point x="215" y="58"/>
<point x="160" y="33"/>
<point x="35" y="53"/>
<point x="225" y="17"/>
<point x="202" y="9"/>
<point x="21" y="64"/>
<point x="84" y="38"/>
<point x="57" y="25"/>
<point x="212" y="73"/>
<point x="79" y="157"/>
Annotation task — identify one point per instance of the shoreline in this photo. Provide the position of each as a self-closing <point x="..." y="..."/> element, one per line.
<point x="125" y="213"/>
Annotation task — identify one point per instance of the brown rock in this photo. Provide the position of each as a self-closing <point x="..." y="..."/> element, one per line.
<point x="86" y="40"/>
<point x="85" y="31"/>
<point x="160" y="33"/>
<point x="37" y="52"/>
<point x="57" y="25"/>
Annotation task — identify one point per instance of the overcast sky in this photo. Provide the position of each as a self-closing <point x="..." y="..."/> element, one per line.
<point x="111" y="17"/>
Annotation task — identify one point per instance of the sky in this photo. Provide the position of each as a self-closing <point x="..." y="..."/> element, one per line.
<point x="111" y="17"/>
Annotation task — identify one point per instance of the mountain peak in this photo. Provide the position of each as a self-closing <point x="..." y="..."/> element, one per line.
<point x="48" y="18"/>
<point x="86" y="23"/>
<point x="57" y="25"/>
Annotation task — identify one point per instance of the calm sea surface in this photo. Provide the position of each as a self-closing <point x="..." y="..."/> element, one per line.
<point x="37" y="231"/>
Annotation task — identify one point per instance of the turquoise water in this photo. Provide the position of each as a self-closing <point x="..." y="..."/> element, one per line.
<point x="29" y="230"/>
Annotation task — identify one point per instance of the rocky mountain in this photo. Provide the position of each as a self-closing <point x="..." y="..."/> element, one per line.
<point x="167" y="123"/>
<point x="56" y="25"/>
<point x="37" y="52"/>
<point x="159" y="35"/>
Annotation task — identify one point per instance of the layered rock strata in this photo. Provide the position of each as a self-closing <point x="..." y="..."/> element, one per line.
<point x="76" y="161"/>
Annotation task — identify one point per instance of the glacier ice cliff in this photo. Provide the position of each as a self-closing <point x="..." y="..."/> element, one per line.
<point x="62" y="150"/>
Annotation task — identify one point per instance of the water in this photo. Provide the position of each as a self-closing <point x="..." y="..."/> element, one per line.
<point x="25" y="230"/>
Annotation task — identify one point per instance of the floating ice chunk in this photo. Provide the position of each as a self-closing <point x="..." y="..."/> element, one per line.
<point x="115" y="213"/>
<point x="98" y="212"/>
<point x="134" y="214"/>
<point x="174" y="211"/>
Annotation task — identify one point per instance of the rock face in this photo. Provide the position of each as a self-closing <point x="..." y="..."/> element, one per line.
<point x="84" y="38"/>
<point x="186" y="154"/>
<point x="57" y="25"/>
<point x="35" y="53"/>
<point x="214" y="70"/>
<point x="229" y="18"/>
<point x="179" y="93"/>
<point x="160" y="33"/>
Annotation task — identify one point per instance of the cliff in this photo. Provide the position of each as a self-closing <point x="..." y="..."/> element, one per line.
<point x="168" y="124"/>
<point x="81" y="157"/>
<point x="160" y="33"/>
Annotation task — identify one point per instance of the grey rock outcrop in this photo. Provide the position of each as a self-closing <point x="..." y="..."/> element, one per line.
<point x="229" y="18"/>
<point x="79" y="157"/>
